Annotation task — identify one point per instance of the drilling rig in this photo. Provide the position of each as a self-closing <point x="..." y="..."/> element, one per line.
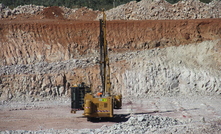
<point x="102" y="103"/>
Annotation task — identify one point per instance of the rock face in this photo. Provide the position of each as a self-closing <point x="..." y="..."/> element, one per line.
<point x="54" y="41"/>
<point x="42" y="60"/>
<point x="193" y="69"/>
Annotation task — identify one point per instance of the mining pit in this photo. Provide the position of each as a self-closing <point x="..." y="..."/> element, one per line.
<point x="168" y="71"/>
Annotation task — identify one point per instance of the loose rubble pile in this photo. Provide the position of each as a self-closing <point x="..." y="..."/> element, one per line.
<point x="141" y="124"/>
<point x="161" y="10"/>
<point x="53" y="13"/>
<point x="48" y="13"/>
<point x="83" y="14"/>
<point x="143" y="10"/>
<point x="68" y="11"/>
<point x="28" y="9"/>
<point x="5" y="12"/>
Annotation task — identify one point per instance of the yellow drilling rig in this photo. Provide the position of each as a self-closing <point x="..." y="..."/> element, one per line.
<point x="100" y="104"/>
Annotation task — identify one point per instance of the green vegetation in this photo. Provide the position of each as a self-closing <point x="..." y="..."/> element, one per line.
<point x="94" y="4"/>
<point x="175" y="1"/>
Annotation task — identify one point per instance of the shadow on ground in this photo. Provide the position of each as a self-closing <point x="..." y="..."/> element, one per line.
<point x="118" y="118"/>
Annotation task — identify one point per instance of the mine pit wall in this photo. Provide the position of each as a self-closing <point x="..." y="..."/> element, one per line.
<point x="192" y="69"/>
<point x="152" y="64"/>
<point x="54" y="41"/>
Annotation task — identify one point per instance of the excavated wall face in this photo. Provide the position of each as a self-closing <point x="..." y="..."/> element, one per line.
<point x="31" y="42"/>
<point x="193" y="69"/>
<point x="42" y="59"/>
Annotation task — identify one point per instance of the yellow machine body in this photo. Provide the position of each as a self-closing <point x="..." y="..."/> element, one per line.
<point x="117" y="101"/>
<point x="96" y="107"/>
<point x="101" y="104"/>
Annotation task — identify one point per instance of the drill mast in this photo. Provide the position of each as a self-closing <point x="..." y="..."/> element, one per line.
<point x="104" y="60"/>
<point x="102" y="104"/>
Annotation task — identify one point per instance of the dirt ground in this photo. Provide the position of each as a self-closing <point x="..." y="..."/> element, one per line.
<point x="56" y="115"/>
<point x="40" y="117"/>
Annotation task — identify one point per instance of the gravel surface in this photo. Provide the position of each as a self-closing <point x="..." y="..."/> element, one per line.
<point x="153" y="115"/>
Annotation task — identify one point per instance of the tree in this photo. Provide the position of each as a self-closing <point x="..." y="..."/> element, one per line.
<point x="172" y="1"/>
<point x="206" y="1"/>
